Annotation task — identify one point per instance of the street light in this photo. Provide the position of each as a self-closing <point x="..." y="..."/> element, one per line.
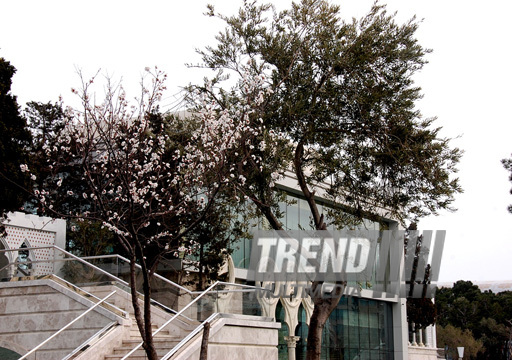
<point x="460" y="350"/>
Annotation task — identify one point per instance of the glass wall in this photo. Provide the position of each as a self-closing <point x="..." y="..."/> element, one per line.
<point x="302" y="332"/>
<point x="296" y="216"/>
<point x="367" y="330"/>
<point x="241" y="253"/>
<point x="358" y="329"/>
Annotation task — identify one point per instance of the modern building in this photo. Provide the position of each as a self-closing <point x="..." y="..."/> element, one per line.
<point x="367" y="323"/>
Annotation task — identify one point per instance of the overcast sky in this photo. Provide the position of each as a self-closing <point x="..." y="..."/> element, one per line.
<point x="466" y="85"/>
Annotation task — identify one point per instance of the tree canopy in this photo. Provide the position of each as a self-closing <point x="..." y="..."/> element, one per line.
<point x="343" y="95"/>
<point x="14" y="141"/>
<point x="507" y="164"/>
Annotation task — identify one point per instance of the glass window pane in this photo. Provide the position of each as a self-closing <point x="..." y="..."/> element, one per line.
<point x="304" y="214"/>
<point x="292" y="214"/>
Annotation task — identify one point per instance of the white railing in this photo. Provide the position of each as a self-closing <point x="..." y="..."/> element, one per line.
<point x="210" y="290"/>
<point x="158" y="276"/>
<point x="71" y="257"/>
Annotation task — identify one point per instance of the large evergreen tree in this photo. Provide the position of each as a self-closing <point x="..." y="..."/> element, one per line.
<point x="14" y="141"/>
<point x="341" y="98"/>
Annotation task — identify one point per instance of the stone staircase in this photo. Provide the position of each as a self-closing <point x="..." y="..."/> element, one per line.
<point x="163" y="345"/>
<point x="32" y="310"/>
<point x="164" y="341"/>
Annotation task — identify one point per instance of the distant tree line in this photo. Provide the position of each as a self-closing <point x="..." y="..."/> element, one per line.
<point x="479" y="321"/>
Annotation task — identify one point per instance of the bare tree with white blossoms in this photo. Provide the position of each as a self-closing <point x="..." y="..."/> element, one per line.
<point x="148" y="179"/>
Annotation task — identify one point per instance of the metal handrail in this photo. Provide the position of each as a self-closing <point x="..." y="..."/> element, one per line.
<point x="73" y="257"/>
<point x="113" y="277"/>
<point x="197" y="329"/>
<point x="186" y="339"/>
<point x="93" y="257"/>
<point x="87" y="343"/>
<point x="70" y="255"/>
<point x="190" y="292"/>
<point x="140" y="267"/>
<point x="66" y="326"/>
<point x="172" y="318"/>
<point x="70" y="285"/>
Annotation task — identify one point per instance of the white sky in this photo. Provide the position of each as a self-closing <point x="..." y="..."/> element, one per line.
<point x="466" y="85"/>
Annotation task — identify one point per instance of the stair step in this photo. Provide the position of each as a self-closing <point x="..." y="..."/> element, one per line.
<point x="132" y="357"/>
<point x="157" y="340"/>
<point x="161" y="350"/>
<point x="135" y="331"/>
<point x="164" y="341"/>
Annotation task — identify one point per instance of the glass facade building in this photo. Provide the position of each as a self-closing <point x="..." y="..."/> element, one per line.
<point x="358" y="329"/>
<point x="296" y="216"/>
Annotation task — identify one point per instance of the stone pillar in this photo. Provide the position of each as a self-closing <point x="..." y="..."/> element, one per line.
<point x="414" y="343"/>
<point x="291" y="341"/>
<point x="420" y="333"/>
<point x="426" y="340"/>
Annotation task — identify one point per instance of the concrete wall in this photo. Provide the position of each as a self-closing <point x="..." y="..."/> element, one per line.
<point x="237" y="337"/>
<point x="31" y="311"/>
<point x="422" y="353"/>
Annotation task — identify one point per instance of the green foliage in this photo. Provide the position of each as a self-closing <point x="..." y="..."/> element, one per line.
<point x="421" y="312"/>
<point x="486" y="315"/>
<point x="14" y="140"/>
<point x="344" y="96"/>
<point x="453" y="337"/>
<point x="45" y="122"/>
<point x="458" y="306"/>
<point x="212" y="240"/>
<point x="89" y="238"/>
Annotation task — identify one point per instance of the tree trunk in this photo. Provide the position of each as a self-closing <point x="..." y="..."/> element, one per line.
<point x="143" y="322"/>
<point x="204" y="343"/>
<point x="324" y="305"/>
<point x="148" y="345"/>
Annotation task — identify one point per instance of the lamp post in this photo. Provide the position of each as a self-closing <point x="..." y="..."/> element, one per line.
<point x="460" y="350"/>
